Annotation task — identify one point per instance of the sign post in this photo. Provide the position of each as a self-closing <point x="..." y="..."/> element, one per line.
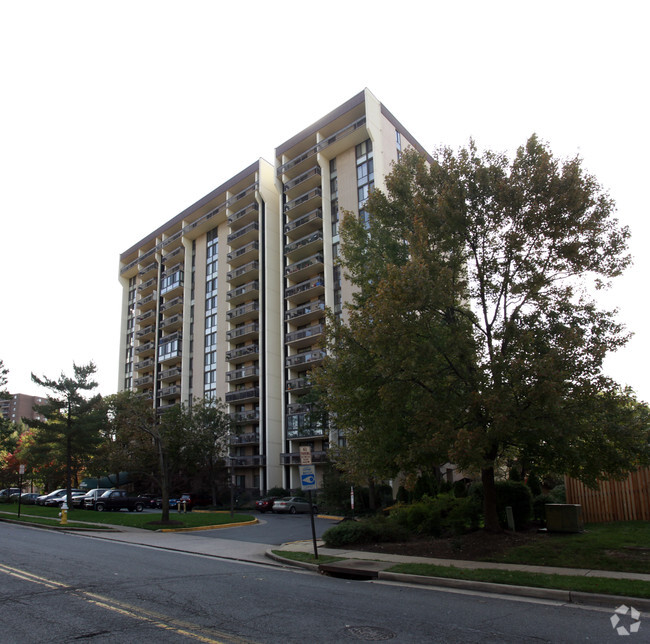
<point x="308" y="482"/>
<point x="21" y="471"/>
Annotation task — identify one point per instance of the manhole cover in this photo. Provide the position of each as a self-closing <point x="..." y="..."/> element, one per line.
<point x="368" y="633"/>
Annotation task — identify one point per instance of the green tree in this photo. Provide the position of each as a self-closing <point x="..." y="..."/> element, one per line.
<point x="71" y="430"/>
<point x="472" y="336"/>
<point x="142" y="441"/>
<point x="204" y="440"/>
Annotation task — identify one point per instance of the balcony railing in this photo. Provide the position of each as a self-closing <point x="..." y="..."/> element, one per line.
<point x="242" y="395"/>
<point x="254" y="207"/>
<point x="343" y="132"/>
<point x="293" y="458"/>
<point x="166" y="392"/>
<point x="305" y="263"/>
<point x="250" y="287"/>
<point x="309" y="357"/>
<point x="145" y="380"/>
<point x="177" y="301"/>
<point x="305" y="432"/>
<point x="242" y="352"/>
<point x="304" y="241"/>
<point x="242" y="331"/>
<point x="301" y="334"/>
<point x="148" y="269"/>
<point x="302" y="199"/>
<point x="144" y="364"/>
<point x="148" y="330"/>
<point x="144" y="316"/>
<point x="147" y="285"/>
<point x="247" y="461"/>
<point x="253" y="266"/>
<point x="305" y="286"/>
<point x="247" y="248"/>
<point x="243" y="417"/>
<point x="174" y="372"/>
<point x="174" y="319"/>
<point x="243" y="231"/>
<point x="315" y="215"/>
<point x="143" y="348"/>
<point x="315" y="171"/>
<point x="244" y="372"/>
<point x="303" y="156"/>
<point x="147" y="300"/>
<point x="242" y="439"/>
<point x="313" y="307"/>
<point x="240" y="311"/>
<point x="242" y="194"/>
<point x="298" y="384"/>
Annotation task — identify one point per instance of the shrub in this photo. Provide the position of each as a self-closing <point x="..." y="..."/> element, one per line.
<point x="277" y="491"/>
<point x="516" y="495"/>
<point x="539" y="511"/>
<point x="352" y="532"/>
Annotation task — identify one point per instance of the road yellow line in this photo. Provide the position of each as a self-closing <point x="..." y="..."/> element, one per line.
<point x="200" y="633"/>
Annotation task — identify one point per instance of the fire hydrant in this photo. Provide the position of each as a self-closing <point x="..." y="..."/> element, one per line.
<point x="64" y="513"/>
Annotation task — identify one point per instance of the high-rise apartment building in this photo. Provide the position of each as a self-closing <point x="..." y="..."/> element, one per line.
<point x="228" y="298"/>
<point x="19" y="406"/>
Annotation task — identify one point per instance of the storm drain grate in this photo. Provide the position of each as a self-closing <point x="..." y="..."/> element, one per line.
<point x="368" y="633"/>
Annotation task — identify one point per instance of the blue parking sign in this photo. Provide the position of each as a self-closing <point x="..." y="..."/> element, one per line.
<point x="308" y="477"/>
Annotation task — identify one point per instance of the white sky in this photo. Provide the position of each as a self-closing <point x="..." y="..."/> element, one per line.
<point x="114" y="117"/>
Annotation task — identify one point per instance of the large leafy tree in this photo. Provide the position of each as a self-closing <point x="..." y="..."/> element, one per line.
<point x="73" y="421"/>
<point x="472" y="336"/>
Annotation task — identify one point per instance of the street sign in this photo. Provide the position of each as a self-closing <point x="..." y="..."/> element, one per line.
<point x="21" y="469"/>
<point x="308" y="477"/>
<point x="305" y="455"/>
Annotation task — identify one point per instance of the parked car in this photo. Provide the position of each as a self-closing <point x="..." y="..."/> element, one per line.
<point x="58" y="497"/>
<point x="191" y="501"/>
<point x="292" y="504"/>
<point x="29" y="498"/>
<point x="6" y="494"/>
<point x="118" y="500"/>
<point x="78" y="498"/>
<point x="91" y="497"/>
<point x="150" y="500"/>
<point x="266" y="504"/>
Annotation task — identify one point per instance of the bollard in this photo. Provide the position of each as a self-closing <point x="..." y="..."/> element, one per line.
<point x="64" y="513"/>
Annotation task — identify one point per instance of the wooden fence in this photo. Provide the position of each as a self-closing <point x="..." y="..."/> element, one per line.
<point x="627" y="500"/>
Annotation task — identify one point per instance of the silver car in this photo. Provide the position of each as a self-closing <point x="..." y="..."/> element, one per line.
<point x="292" y="504"/>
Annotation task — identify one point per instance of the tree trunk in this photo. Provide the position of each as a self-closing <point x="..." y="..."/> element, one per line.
<point x="490" y="500"/>
<point x="372" y="501"/>
<point x="164" y="481"/>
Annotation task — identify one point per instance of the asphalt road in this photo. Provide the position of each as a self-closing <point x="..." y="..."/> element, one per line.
<point x="57" y="587"/>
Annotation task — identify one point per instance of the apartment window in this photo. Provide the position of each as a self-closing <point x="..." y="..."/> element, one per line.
<point x="365" y="177"/>
<point x="398" y="143"/>
<point x="171" y="282"/>
<point x="210" y="322"/>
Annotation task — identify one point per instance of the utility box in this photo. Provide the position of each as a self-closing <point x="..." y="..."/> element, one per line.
<point x="564" y="517"/>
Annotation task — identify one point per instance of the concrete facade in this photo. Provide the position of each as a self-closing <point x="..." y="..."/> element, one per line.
<point x="228" y="298"/>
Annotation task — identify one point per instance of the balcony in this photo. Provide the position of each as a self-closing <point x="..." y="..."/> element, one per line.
<point x="147" y="286"/>
<point x="305" y="268"/>
<point x="177" y="253"/>
<point x="242" y="354"/>
<point x="342" y="133"/>
<point x="246" y="332"/>
<point x="243" y="395"/>
<point x="172" y="322"/>
<point x="313" y="220"/>
<point x="170" y="374"/>
<point x="145" y="380"/>
<point x="173" y="305"/>
<point x="148" y="302"/>
<point x="245" y="417"/>
<point x="248" y="291"/>
<point x="144" y="364"/>
<point x="298" y="385"/>
<point x="143" y="317"/>
<point x="169" y="392"/>
<point x="245" y="373"/>
<point x="147" y="331"/>
<point x="304" y="337"/>
<point x="296" y="161"/>
<point x="243" y="193"/>
<point x="145" y="349"/>
<point x="309" y="179"/>
<point x="244" y="235"/>
<point x="153" y="266"/>
<point x="249" y="438"/>
<point x="247" y="461"/>
<point x="300" y="205"/>
<point x="303" y="361"/>
<point x="241" y="274"/>
<point x="304" y="246"/>
<point x="243" y="254"/>
<point x="293" y="458"/>
<point x="305" y="432"/>
<point x="243" y="313"/>
<point x="244" y="216"/>
<point x="303" y="314"/>
<point x="305" y="290"/>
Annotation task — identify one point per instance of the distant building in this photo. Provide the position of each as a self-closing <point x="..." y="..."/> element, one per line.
<point x="20" y="406"/>
<point x="227" y="299"/>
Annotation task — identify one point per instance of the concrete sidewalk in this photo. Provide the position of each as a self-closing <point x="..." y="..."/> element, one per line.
<point x="369" y="565"/>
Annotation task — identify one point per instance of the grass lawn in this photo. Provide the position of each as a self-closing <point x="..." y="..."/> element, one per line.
<point x="146" y="520"/>
<point x="622" y="546"/>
